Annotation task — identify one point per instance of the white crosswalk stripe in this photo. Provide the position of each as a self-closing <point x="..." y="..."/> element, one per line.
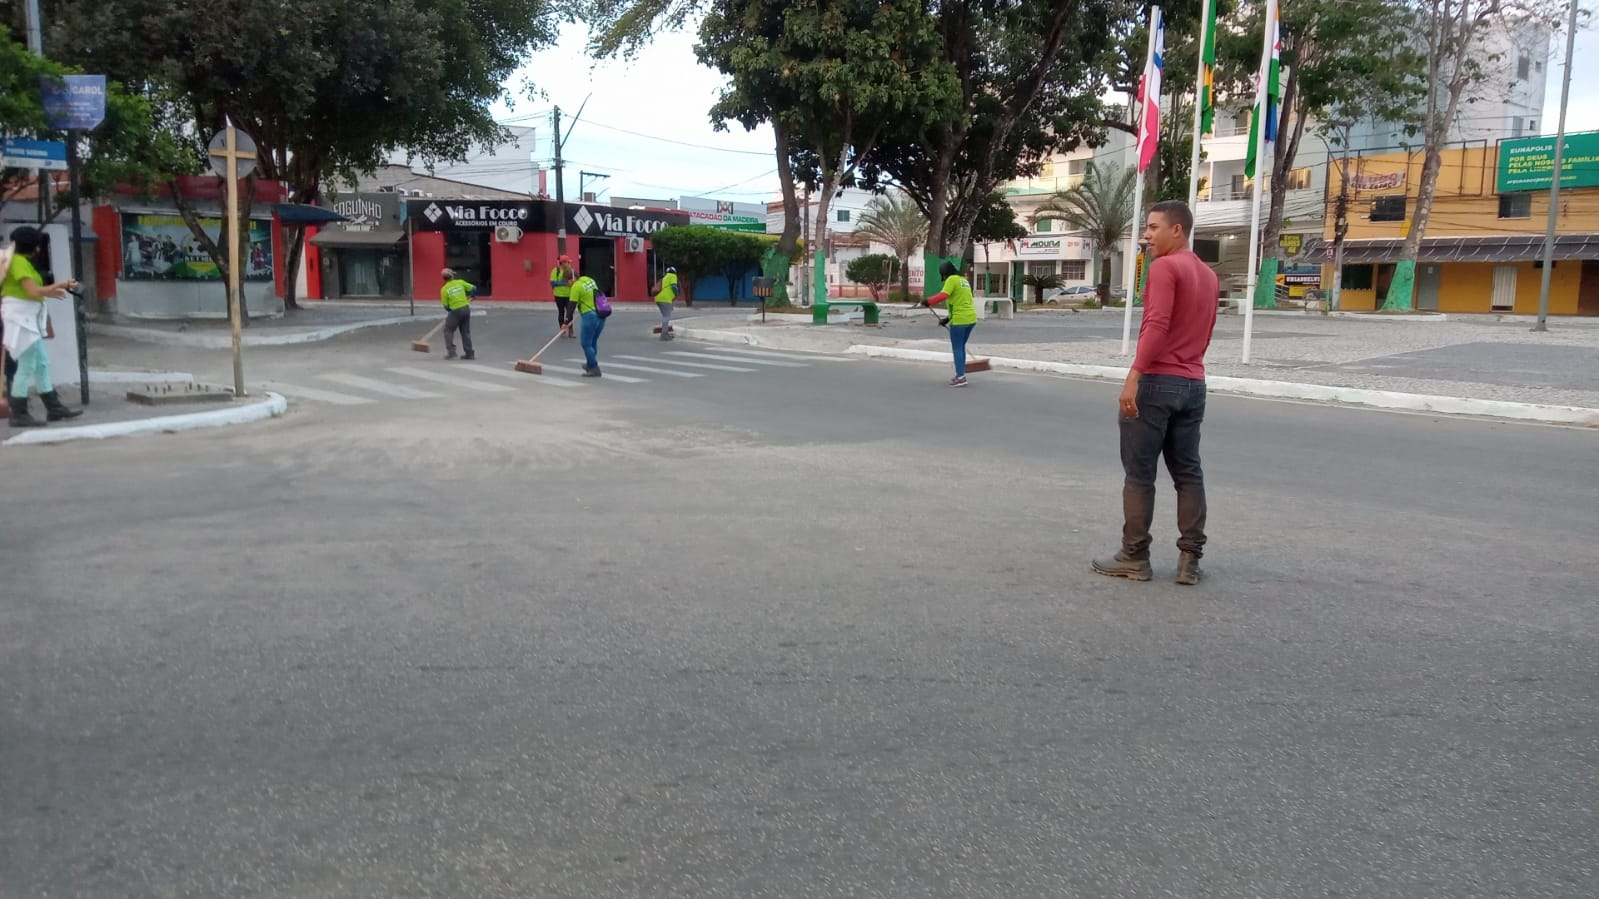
<point x="603" y="366"/>
<point x="376" y="386"/>
<point x="510" y="372"/>
<point x="649" y="370"/>
<point x="321" y="396"/>
<point x="704" y="365"/>
<point x="771" y="354"/>
<point x="441" y="378"/>
<point x="719" y="357"/>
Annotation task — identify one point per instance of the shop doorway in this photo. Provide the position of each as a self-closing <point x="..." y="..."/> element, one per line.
<point x="1588" y="291"/>
<point x="597" y="259"/>
<point x="468" y="253"/>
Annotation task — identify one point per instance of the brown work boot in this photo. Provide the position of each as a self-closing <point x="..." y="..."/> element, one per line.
<point x="1125" y="566"/>
<point x="1188" y="573"/>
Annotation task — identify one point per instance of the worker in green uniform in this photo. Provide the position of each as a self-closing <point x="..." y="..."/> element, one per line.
<point x="962" y="316"/>
<point x="561" y="278"/>
<point x="456" y="295"/>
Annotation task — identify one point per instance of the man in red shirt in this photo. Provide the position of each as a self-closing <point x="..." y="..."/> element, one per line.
<point x="1162" y="402"/>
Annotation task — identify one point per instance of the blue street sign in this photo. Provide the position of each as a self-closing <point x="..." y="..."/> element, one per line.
<point x="18" y="153"/>
<point x="73" y="102"/>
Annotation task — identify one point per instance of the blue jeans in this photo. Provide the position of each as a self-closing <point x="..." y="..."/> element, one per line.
<point x="589" y="337"/>
<point x="958" y="335"/>
<point x="1170" y="411"/>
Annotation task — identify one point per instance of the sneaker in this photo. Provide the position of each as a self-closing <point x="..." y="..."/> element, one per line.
<point x="470" y="356"/>
<point x="450" y="355"/>
<point x="591" y="372"/>
<point x="1188" y="573"/>
<point x="958" y="382"/>
<point x="1123" y="566"/>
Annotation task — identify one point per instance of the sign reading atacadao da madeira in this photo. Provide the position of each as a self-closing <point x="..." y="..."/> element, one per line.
<point x="1528" y="163"/>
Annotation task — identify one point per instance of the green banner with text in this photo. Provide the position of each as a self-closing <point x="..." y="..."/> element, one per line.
<point x="1528" y="163"/>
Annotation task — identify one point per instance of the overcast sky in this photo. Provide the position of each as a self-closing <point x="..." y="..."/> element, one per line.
<point x="646" y="124"/>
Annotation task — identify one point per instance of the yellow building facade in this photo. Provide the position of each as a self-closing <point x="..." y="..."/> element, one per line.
<point x="1484" y="241"/>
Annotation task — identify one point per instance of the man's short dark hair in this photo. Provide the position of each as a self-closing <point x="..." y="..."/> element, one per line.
<point x="1177" y="213"/>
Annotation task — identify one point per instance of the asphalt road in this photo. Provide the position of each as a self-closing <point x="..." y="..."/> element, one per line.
<point x="819" y="631"/>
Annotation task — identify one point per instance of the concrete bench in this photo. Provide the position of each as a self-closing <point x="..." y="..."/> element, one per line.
<point x="868" y="310"/>
<point x="1004" y="307"/>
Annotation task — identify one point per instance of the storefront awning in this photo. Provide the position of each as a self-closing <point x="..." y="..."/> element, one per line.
<point x="373" y="239"/>
<point x="1498" y="248"/>
<point x="302" y="214"/>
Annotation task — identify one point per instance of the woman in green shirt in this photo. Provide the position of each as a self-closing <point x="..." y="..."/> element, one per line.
<point x="22" y="295"/>
<point x="962" y="316"/>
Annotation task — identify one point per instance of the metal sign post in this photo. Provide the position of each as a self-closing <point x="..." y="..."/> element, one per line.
<point x="75" y="104"/>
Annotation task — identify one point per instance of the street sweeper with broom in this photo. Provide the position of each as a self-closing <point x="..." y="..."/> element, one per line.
<point x="456" y="295"/>
<point x="962" y="316"/>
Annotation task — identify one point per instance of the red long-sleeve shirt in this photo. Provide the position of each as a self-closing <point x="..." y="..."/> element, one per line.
<point x="1179" y="315"/>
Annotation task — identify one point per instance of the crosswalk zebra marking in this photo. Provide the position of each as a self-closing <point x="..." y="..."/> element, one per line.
<point x="376" y="386"/>
<point x="322" y="396"/>
<point x="704" y="365"/>
<point x="646" y="369"/>
<point x="442" y="378"/>
<point x="513" y="374"/>
<point x="773" y="363"/>
<point x="603" y="364"/>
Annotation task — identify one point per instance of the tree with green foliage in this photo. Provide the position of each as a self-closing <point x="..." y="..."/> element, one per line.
<point x="701" y="251"/>
<point x="739" y="253"/>
<point x="893" y="220"/>
<point x="1039" y="284"/>
<point x="1030" y="76"/>
<point x="405" y="76"/>
<point x="1101" y="207"/>
<point x="127" y="149"/>
<point x="835" y="75"/>
<point x="874" y="270"/>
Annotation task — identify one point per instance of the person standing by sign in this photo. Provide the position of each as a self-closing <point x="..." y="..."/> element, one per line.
<point x="26" y="325"/>
<point x="561" y="278"/>
<point x="584" y="293"/>
<point x="456" y="295"/>
<point x="665" y="296"/>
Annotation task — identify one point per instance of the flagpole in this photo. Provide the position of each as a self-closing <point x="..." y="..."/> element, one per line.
<point x="1262" y="168"/>
<point x="1131" y="275"/>
<point x="1199" y="113"/>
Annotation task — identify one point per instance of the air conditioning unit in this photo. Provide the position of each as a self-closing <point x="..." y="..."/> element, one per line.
<point x="635" y="244"/>
<point x="507" y="233"/>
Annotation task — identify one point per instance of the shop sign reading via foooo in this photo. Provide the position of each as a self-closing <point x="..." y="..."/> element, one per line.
<point x="452" y="215"/>
<point x="602" y="221"/>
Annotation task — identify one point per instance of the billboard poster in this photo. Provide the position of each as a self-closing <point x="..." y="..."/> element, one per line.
<point x="161" y="248"/>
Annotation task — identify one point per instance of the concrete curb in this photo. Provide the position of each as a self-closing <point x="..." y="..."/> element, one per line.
<point x="225" y="341"/>
<point x="272" y="406"/>
<point x="713" y="336"/>
<point x="1354" y="396"/>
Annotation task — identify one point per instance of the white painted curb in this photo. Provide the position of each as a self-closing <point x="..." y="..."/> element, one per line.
<point x="1382" y="399"/>
<point x="225" y="341"/>
<point x="712" y="336"/>
<point x="272" y="406"/>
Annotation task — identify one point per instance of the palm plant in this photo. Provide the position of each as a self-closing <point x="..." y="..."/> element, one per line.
<point x="893" y="220"/>
<point x="1100" y="206"/>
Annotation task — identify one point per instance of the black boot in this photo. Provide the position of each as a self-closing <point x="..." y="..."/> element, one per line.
<point x="55" y="410"/>
<point x="19" y="414"/>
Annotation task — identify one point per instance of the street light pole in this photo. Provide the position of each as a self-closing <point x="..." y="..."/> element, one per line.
<point x="1554" y="178"/>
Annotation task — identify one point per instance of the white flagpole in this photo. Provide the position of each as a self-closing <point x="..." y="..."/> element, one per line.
<point x="1199" y="106"/>
<point x="1138" y="197"/>
<point x="1262" y="167"/>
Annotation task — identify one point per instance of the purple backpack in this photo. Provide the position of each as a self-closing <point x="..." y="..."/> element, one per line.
<point x="602" y="304"/>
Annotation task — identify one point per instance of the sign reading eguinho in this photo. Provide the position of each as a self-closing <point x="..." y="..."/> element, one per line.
<point x="1529" y="163"/>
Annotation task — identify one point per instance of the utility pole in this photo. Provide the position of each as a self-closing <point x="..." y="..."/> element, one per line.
<point x="560" y="193"/>
<point x="36" y="44"/>
<point x="805" y="267"/>
<point x="1554" y="179"/>
<point x="1340" y="229"/>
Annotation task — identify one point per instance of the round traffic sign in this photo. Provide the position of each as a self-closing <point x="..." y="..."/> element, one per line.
<point x="244" y="153"/>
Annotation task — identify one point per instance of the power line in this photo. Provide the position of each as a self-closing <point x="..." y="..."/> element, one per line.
<point x="681" y="143"/>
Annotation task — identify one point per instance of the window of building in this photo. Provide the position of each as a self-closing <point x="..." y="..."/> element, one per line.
<point x="843" y="215"/>
<point x="1042" y="226"/>
<point x="1524" y="67"/>
<point x="1388" y="209"/>
<point x="1041" y="268"/>
<point x="1074" y="270"/>
<point x="1515" y="206"/>
<point x="1208" y="250"/>
<point x="1537" y="65"/>
<point x="1532" y="126"/>
<point x="1357" y="277"/>
<point x="1299" y="179"/>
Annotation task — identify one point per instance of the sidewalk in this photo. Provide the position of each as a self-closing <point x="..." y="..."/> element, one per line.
<point x="311" y="323"/>
<point x="1488" y="361"/>
<point x="111" y="414"/>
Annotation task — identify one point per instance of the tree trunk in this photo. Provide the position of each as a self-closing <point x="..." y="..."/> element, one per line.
<point x="291" y="268"/>
<point x="779" y="262"/>
<point x="905" y="277"/>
